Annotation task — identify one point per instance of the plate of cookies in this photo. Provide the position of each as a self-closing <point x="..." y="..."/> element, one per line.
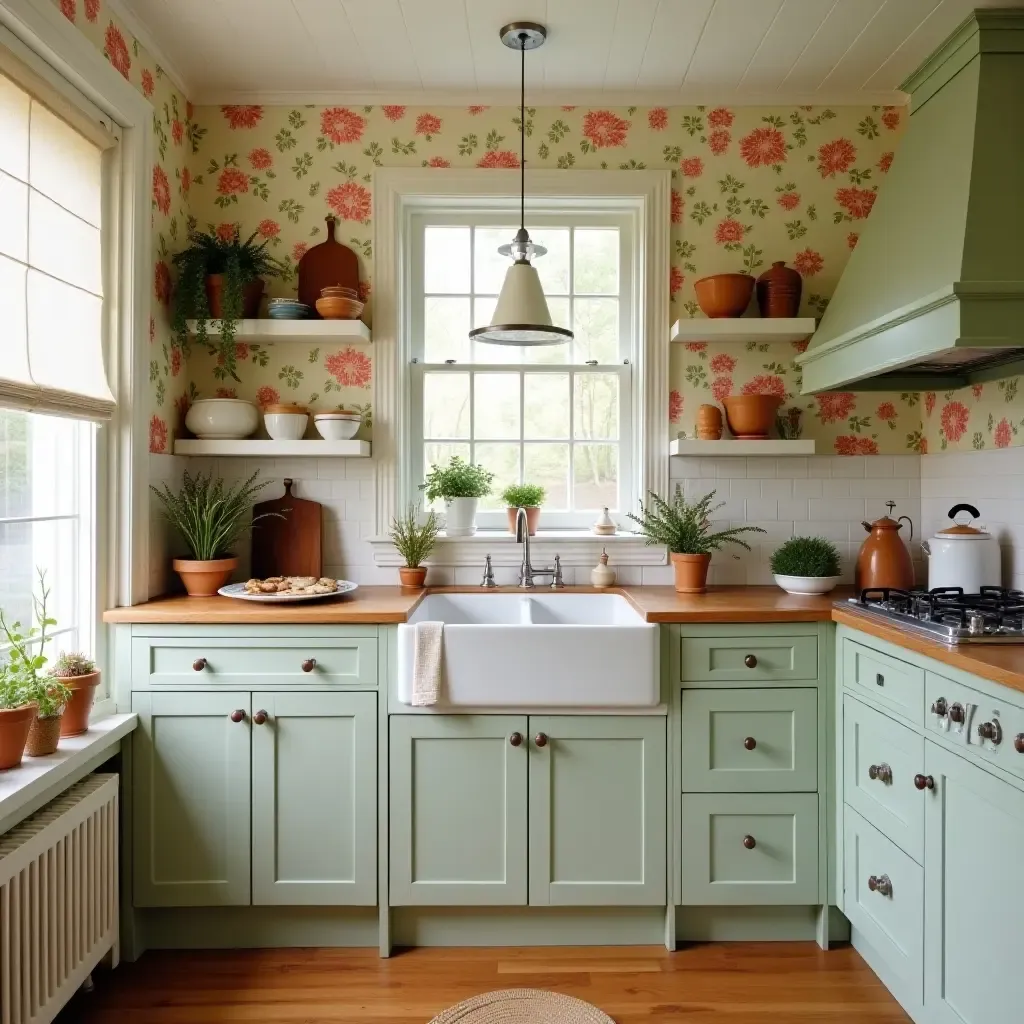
<point x="288" y="588"/>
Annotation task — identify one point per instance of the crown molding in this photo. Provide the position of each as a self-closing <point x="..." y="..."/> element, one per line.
<point x="140" y="30"/>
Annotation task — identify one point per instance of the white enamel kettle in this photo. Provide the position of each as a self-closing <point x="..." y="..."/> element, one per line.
<point x="963" y="555"/>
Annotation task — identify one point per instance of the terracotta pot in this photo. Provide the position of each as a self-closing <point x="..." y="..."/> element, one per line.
<point x="778" y="291"/>
<point x="14" y="727"/>
<point x="709" y="423"/>
<point x="204" y="579"/>
<point x="724" y="295"/>
<point x="75" y="720"/>
<point x="691" y="573"/>
<point x="532" y="518"/>
<point x="43" y="736"/>
<point x="252" y="293"/>
<point x="750" y="417"/>
<point x="412" y="576"/>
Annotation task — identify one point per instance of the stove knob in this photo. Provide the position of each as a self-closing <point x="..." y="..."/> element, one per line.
<point x="991" y="731"/>
<point x="956" y="713"/>
<point x="940" y="707"/>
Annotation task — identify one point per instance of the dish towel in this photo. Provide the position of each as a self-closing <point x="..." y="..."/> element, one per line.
<point x="426" y="664"/>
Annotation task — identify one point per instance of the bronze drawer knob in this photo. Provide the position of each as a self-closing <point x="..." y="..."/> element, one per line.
<point x="750" y="743"/>
<point x="750" y="661"/>
<point x="880" y="884"/>
<point x="924" y="782"/>
<point x="991" y="731"/>
<point x="1018" y="743"/>
<point x="238" y="716"/>
<point x="516" y="739"/>
<point x="260" y="717"/>
<point x="540" y="739"/>
<point x="198" y="665"/>
<point x="309" y="664"/>
<point x="940" y="707"/>
<point x="956" y="713"/>
<point x="881" y="772"/>
<point x="749" y="842"/>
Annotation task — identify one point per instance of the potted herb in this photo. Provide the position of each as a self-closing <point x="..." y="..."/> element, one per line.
<point x="81" y="677"/>
<point x="209" y="515"/>
<point x="220" y="278"/>
<point x="460" y="485"/>
<point x="528" y="496"/>
<point x="17" y="712"/>
<point x="806" y="565"/>
<point x="414" y="541"/>
<point x="685" y="529"/>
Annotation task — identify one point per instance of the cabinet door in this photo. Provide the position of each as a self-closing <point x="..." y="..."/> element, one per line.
<point x="314" y="799"/>
<point x="458" y="810"/>
<point x="190" y="800"/>
<point x="974" y="834"/>
<point x="597" y="811"/>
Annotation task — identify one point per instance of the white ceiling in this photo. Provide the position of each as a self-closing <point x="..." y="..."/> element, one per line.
<point x="598" y="51"/>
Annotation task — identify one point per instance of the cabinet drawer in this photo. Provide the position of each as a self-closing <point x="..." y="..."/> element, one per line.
<point x="749" y="848"/>
<point x="752" y="660"/>
<point x="897" y="685"/>
<point x="880" y="759"/>
<point x="743" y="741"/>
<point x="253" y="662"/>
<point x="888" y="930"/>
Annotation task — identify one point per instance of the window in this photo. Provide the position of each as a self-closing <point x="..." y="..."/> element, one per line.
<point x="558" y="416"/>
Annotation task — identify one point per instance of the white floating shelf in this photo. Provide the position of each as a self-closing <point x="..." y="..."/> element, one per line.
<point x="742" y="329"/>
<point x="272" y="449"/>
<point x="727" y="447"/>
<point x="267" y="331"/>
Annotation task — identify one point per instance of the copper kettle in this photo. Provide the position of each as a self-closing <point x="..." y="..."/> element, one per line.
<point x="884" y="560"/>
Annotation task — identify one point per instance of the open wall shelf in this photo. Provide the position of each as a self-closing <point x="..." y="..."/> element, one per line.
<point x="267" y="331"/>
<point x="275" y="449"/>
<point x="736" y="330"/>
<point x="732" y="447"/>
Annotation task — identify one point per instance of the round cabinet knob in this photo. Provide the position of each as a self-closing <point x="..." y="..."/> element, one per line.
<point x="238" y="716"/>
<point x="516" y="739"/>
<point x="309" y="664"/>
<point x="540" y="739"/>
<point x="881" y="772"/>
<point x="260" y="717"/>
<point x="749" y="842"/>
<point x="1018" y="743"/>
<point x="956" y="713"/>
<point x="750" y="743"/>
<point x="198" y="665"/>
<point x="880" y="884"/>
<point x="940" y="707"/>
<point x="924" y="782"/>
<point x="750" y="661"/>
<point x="991" y="731"/>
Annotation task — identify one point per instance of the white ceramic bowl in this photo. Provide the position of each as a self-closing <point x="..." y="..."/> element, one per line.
<point x="222" y="419"/>
<point x="805" y="585"/>
<point x="286" y="426"/>
<point x="336" y="428"/>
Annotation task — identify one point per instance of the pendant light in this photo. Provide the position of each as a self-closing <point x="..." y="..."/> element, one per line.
<point x="521" y="317"/>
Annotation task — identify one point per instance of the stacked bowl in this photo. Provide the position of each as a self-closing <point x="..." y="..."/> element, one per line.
<point x="339" y="303"/>
<point x="340" y="425"/>
<point x="287" y="309"/>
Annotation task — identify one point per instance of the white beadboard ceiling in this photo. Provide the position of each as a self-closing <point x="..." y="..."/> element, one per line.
<point x="598" y="51"/>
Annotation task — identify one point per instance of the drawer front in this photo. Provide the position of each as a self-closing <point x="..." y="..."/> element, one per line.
<point x="751" y="660"/>
<point x="749" y="849"/>
<point x="881" y="757"/>
<point x="747" y="741"/>
<point x="254" y="662"/>
<point x="897" y="685"/>
<point x="888" y="930"/>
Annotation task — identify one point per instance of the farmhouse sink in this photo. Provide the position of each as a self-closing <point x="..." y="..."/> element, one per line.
<point x="537" y="650"/>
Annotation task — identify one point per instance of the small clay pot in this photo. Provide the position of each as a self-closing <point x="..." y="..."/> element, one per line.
<point x="75" y="719"/>
<point x="532" y="518"/>
<point x="750" y="417"/>
<point x="204" y="579"/>
<point x="724" y="295"/>
<point x="15" y="724"/>
<point x="709" y="423"/>
<point x="252" y="293"/>
<point x="691" y="573"/>
<point x="43" y="736"/>
<point x="412" y="576"/>
<point x="778" y="291"/>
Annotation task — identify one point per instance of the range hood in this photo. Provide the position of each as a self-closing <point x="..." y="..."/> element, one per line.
<point x="933" y="295"/>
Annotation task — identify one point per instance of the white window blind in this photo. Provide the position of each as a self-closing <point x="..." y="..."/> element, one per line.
<point x="51" y="252"/>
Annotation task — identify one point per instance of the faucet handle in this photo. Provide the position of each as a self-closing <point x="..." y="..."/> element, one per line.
<point x="488" y="581"/>
<point x="556" y="575"/>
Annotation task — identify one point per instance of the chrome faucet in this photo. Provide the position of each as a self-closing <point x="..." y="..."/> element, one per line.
<point x="526" y="570"/>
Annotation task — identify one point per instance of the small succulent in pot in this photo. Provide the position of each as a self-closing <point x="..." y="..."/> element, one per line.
<point x="414" y="540"/>
<point x="806" y="565"/>
<point x="528" y="496"/>
<point x="460" y="485"/>
<point x="80" y="677"/>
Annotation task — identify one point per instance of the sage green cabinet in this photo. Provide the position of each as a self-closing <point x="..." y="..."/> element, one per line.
<point x="723" y="657"/>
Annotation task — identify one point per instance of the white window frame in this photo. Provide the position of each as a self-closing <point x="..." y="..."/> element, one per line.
<point x="398" y="194"/>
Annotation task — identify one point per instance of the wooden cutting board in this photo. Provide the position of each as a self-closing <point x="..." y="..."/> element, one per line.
<point x="329" y="263"/>
<point x="288" y="546"/>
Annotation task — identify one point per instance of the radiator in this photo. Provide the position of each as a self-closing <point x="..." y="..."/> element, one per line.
<point x="58" y="900"/>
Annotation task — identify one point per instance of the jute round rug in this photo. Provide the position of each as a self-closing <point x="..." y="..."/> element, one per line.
<point x="522" y="1006"/>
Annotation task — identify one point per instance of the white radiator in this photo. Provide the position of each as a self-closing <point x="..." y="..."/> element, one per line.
<point x="58" y="900"/>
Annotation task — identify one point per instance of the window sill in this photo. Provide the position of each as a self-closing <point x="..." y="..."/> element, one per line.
<point x="575" y="547"/>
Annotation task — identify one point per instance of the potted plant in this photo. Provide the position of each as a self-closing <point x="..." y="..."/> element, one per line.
<point x="460" y="485"/>
<point x="414" y="541"/>
<point x="528" y="496"/>
<point x="51" y="698"/>
<point x="685" y="529"/>
<point x="806" y="565"/>
<point x="220" y="278"/>
<point x="81" y="677"/>
<point x="209" y="516"/>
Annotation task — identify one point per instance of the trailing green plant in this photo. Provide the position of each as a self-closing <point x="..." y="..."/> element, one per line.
<point x="210" y="515"/>
<point x="70" y="664"/>
<point x="685" y="527"/>
<point x="240" y="262"/>
<point x="414" y="540"/>
<point x="457" y="479"/>
<point x="523" y="495"/>
<point x="806" y="556"/>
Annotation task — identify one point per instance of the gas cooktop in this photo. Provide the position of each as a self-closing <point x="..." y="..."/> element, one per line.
<point x="948" y="615"/>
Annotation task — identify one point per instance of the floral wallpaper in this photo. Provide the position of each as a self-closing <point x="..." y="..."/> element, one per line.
<point x="987" y="415"/>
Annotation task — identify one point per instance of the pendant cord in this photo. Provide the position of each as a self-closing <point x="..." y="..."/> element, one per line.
<point x="522" y="130"/>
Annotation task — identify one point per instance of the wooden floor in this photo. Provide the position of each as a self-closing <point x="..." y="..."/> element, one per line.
<point x="785" y="983"/>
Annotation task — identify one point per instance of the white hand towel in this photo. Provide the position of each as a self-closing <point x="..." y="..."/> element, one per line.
<point x="426" y="664"/>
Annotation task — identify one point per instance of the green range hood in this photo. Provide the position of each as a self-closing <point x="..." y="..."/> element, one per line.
<point x="933" y="296"/>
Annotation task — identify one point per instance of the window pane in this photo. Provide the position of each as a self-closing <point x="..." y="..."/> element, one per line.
<point x="446" y="405"/>
<point x="65" y="166"/>
<point x="553" y="267"/>
<point x="503" y="461"/>
<point x="445" y="329"/>
<point x="595" y="476"/>
<point x="483" y="310"/>
<point x="489" y="265"/>
<point x="548" y="465"/>
<point x="39" y="472"/>
<point x="596" y="261"/>
<point x="446" y="260"/>
<point x="596" y="326"/>
<point x="496" y="405"/>
<point x="63" y="245"/>
<point x="13" y="350"/>
<point x="596" y="406"/>
<point x="13" y="217"/>
<point x="546" y="405"/>
<point x="14" y="103"/>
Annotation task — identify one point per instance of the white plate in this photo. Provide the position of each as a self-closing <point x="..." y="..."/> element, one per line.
<point x="237" y="590"/>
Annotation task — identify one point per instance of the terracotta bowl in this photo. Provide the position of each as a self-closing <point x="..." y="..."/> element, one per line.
<point x="337" y="307"/>
<point x="750" y="417"/>
<point x="724" y="295"/>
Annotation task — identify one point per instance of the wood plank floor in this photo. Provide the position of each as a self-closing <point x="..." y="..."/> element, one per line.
<point x="724" y="983"/>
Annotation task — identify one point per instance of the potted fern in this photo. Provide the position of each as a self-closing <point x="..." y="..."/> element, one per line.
<point x="685" y="529"/>
<point x="460" y="485"/>
<point x="209" y="516"/>
<point x="806" y="565"/>
<point x="414" y="541"/>
<point x="528" y="496"/>
<point x="220" y="278"/>
<point x="79" y="675"/>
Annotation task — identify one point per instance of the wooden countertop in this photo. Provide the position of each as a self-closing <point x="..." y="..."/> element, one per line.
<point x="730" y="604"/>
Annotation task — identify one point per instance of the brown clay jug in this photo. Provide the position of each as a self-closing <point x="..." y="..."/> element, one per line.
<point x="709" y="423"/>
<point x="884" y="560"/>
<point x="778" y="291"/>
